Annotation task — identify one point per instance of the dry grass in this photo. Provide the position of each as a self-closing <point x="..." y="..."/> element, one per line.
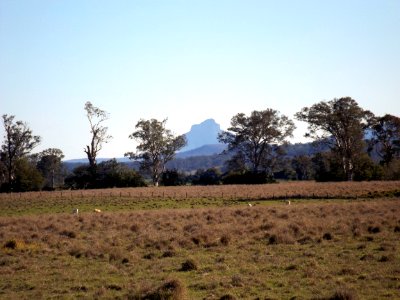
<point x="189" y="196"/>
<point x="301" y="189"/>
<point x="305" y="250"/>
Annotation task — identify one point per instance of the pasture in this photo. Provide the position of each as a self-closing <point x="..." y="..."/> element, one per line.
<point x="204" y="242"/>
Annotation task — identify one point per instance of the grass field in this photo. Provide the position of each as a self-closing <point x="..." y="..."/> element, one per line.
<point x="204" y="243"/>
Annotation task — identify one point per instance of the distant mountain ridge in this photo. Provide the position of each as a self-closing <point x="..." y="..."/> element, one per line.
<point x="202" y="145"/>
<point x="205" y="133"/>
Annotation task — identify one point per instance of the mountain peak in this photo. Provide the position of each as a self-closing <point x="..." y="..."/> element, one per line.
<point x="207" y="124"/>
<point x="202" y="134"/>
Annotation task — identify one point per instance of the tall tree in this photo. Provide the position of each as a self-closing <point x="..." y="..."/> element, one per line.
<point x="340" y="123"/>
<point x="96" y="117"/>
<point x="18" y="142"/>
<point x="157" y="146"/>
<point x="386" y="138"/>
<point x="50" y="166"/>
<point x="256" y="136"/>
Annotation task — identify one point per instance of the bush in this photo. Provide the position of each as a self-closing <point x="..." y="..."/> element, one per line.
<point x="171" y="290"/>
<point x="172" y="178"/>
<point x="343" y="294"/>
<point x="68" y="233"/>
<point x="107" y="174"/>
<point x="189" y="265"/>
<point x="11" y="244"/>
<point x="247" y="178"/>
<point x="209" y="177"/>
<point x="225" y="240"/>
<point x="227" y="297"/>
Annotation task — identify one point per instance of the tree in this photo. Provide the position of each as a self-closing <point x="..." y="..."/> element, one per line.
<point x="96" y="117"/>
<point x="386" y="138"/>
<point x="27" y="176"/>
<point x="256" y="137"/>
<point x="50" y="165"/>
<point x="340" y="123"/>
<point x="157" y="146"/>
<point x="210" y="176"/>
<point x="18" y="142"/>
<point x="172" y="178"/>
<point x="302" y="165"/>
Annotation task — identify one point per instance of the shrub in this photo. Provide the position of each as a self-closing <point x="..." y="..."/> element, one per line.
<point x="237" y="281"/>
<point x="171" y="290"/>
<point x="68" y="233"/>
<point x="343" y="294"/>
<point x="189" y="265"/>
<point x="149" y="256"/>
<point x="225" y="240"/>
<point x="374" y="229"/>
<point x="168" y="253"/>
<point x="227" y="297"/>
<point x="273" y="240"/>
<point x="248" y="178"/>
<point x="10" y="244"/>
<point x="135" y="228"/>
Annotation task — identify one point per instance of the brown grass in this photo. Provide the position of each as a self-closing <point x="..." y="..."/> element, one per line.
<point x="277" y="251"/>
<point x="295" y="189"/>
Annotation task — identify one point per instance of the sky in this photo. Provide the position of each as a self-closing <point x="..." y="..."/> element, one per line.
<point x="188" y="61"/>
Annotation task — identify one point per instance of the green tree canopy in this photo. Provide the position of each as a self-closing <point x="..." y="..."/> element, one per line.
<point x="18" y="143"/>
<point x="255" y="137"/>
<point x="157" y="146"/>
<point x="50" y="165"/>
<point x="386" y="138"/>
<point x="340" y="123"/>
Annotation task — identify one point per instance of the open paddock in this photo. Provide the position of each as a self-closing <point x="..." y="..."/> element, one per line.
<point x="304" y="250"/>
<point x="189" y="196"/>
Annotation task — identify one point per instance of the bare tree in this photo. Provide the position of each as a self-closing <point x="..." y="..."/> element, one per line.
<point x="96" y="117"/>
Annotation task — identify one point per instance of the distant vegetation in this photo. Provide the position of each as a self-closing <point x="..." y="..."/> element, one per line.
<point x="350" y="143"/>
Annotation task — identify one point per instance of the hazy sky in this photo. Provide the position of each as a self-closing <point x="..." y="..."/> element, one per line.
<point x="189" y="61"/>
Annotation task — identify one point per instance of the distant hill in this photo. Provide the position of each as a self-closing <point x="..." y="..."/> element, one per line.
<point x="205" y="150"/>
<point x="205" y="133"/>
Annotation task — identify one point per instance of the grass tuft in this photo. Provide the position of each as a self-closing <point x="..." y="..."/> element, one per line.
<point x="189" y="265"/>
<point x="343" y="294"/>
<point x="171" y="290"/>
<point x="228" y="297"/>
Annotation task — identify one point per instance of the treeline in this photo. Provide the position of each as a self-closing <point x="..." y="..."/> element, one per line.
<point x="350" y="143"/>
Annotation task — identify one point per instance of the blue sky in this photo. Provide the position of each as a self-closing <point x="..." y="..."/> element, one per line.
<point x="189" y="61"/>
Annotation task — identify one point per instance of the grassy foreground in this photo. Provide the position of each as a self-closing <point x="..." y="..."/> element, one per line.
<point x="306" y="250"/>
